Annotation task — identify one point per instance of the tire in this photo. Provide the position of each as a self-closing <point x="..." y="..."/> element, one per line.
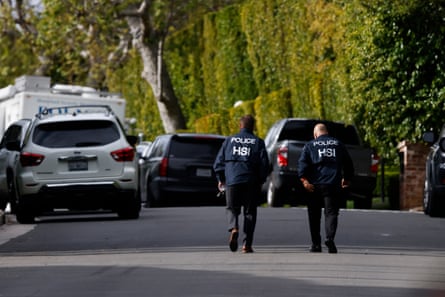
<point x="273" y="196"/>
<point x="426" y="198"/>
<point x="363" y="203"/>
<point x="3" y="203"/>
<point x="12" y="193"/>
<point x="151" y="200"/>
<point x="24" y="215"/>
<point x="130" y="208"/>
<point x="431" y="203"/>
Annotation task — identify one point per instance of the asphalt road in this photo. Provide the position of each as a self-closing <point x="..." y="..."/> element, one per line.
<point x="184" y="252"/>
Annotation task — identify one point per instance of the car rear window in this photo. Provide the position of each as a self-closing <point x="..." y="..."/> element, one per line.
<point x="190" y="147"/>
<point x="76" y="134"/>
<point x="297" y="130"/>
<point x="303" y="131"/>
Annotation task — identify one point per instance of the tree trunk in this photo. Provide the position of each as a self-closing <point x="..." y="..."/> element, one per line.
<point x="155" y="73"/>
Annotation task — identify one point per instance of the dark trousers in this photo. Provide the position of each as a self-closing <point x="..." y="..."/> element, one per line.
<point x="243" y="197"/>
<point x="328" y="197"/>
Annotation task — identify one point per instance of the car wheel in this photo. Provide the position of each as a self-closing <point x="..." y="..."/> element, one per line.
<point x="130" y="208"/>
<point x="432" y="205"/>
<point x="426" y="198"/>
<point x="153" y="199"/>
<point x="12" y="196"/>
<point x="273" y="193"/>
<point x="3" y="203"/>
<point x="363" y="203"/>
<point x="24" y="215"/>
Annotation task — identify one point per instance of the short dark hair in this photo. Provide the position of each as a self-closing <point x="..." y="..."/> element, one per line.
<point x="247" y="122"/>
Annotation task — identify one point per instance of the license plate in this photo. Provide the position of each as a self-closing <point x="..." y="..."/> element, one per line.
<point x="203" y="172"/>
<point x="78" y="165"/>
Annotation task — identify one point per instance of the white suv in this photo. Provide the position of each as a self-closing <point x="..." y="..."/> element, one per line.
<point x="76" y="158"/>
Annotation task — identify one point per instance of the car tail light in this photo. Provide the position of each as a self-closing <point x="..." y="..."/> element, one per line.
<point x="282" y="156"/>
<point x="375" y="163"/>
<point x="30" y="159"/>
<point x="163" y="167"/>
<point x="123" y="155"/>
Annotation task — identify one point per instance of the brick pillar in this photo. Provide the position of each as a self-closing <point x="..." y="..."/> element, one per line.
<point x="412" y="175"/>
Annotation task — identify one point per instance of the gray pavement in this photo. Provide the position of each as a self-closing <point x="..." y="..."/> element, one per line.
<point x="348" y="269"/>
<point x="204" y="270"/>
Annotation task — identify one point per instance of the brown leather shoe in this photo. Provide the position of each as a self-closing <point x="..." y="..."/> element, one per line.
<point x="233" y="240"/>
<point x="247" y="249"/>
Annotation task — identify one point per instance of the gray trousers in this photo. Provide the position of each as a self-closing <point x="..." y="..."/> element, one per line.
<point x="243" y="197"/>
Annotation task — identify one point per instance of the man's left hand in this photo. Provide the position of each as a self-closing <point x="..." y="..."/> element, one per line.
<point x="345" y="183"/>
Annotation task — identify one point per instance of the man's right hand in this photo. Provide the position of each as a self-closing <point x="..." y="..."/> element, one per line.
<point x="308" y="186"/>
<point x="221" y="186"/>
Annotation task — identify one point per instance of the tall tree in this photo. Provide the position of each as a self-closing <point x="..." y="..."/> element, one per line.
<point x="76" y="41"/>
<point x="150" y="22"/>
<point x="17" y="39"/>
<point x="149" y="34"/>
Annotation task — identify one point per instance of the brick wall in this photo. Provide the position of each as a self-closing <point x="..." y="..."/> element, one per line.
<point x="412" y="177"/>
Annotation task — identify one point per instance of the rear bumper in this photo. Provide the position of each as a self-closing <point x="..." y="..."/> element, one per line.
<point x="361" y="186"/>
<point x="79" y="196"/>
<point x="160" y="187"/>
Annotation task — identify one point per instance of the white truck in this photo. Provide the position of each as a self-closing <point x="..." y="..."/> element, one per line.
<point x="31" y="94"/>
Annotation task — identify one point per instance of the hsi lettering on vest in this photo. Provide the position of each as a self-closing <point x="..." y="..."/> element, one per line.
<point x="241" y="151"/>
<point x="243" y="140"/>
<point x="326" y="152"/>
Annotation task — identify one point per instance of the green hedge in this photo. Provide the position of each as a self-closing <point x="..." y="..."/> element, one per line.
<point x="375" y="65"/>
<point x="268" y="51"/>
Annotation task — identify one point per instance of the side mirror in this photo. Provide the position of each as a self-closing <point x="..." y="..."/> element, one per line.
<point x="13" y="145"/>
<point x="132" y="140"/>
<point x="429" y="137"/>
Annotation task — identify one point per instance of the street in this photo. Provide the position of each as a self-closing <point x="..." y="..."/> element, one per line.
<point x="183" y="251"/>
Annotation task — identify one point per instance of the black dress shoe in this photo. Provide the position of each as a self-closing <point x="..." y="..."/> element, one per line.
<point x="233" y="240"/>
<point x="332" y="249"/>
<point x="315" y="248"/>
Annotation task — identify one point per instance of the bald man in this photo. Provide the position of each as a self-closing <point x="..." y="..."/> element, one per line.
<point x="324" y="168"/>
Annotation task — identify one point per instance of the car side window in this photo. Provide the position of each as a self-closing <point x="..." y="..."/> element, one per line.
<point x="270" y="136"/>
<point x="158" y="146"/>
<point x="13" y="133"/>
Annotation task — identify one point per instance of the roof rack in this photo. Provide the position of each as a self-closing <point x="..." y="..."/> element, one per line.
<point x="74" y="110"/>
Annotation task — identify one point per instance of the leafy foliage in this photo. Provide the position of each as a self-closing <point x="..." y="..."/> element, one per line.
<point x="17" y="53"/>
<point x="376" y="63"/>
<point x="76" y="37"/>
<point x="397" y="70"/>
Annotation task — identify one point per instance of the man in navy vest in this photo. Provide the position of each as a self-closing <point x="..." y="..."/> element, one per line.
<point x="241" y="167"/>
<point x="324" y="168"/>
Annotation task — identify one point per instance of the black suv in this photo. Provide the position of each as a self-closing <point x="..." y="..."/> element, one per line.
<point x="434" y="189"/>
<point x="177" y="165"/>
